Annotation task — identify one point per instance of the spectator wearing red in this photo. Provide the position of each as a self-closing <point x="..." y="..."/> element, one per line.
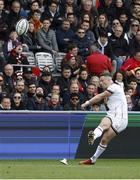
<point x="97" y="62"/>
<point x="131" y="64"/>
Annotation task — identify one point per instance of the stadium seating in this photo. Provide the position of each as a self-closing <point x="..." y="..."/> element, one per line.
<point x="45" y="59"/>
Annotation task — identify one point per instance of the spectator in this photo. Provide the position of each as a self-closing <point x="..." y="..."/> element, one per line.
<point x="73" y="49"/>
<point x="29" y="76"/>
<point x="102" y="25"/>
<point x="52" y="13"/>
<point x="90" y="35"/>
<point x="115" y="24"/>
<point x="20" y="88"/>
<point x="72" y="63"/>
<point x="91" y="91"/>
<point x="104" y="45"/>
<point x="35" y="19"/>
<point x="134" y="43"/>
<point x="95" y="107"/>
<point x="18" y="76"/>
<point x="31" y="90"/>
<point x="16" y="56"/>
<point x="119" y="77"/>
<point x="64" y="35"/>
<point x="83" y="79"/>
<point x="125" y="21"/>
<point x="87" y="17"/>
<point x="12" y="40"/>
<point x="82" y="42"/>
<point x="8" y="76"/>
<point x="14" y="15"/>
<point x="119" y="7"/>
<point x="137" y="76"/>
<point x="34" y="5"/>
<point x="129" y="90"/>
<point x="129" y="102"/>
<point x="55" y="90"/>
<point x="107" y="7"/>
<point x="3" y="21"/>
<point x="17" y="103"/>
<point x="119" y="46"/>
<point x="95" y="81"/>
<point x="38" y="102"/>
<point x="2" y="87"/>
<point x="134" y="28"/>
<point x="97" y="62"/>
<point x="64" y="80"/>
<point x="72" y="18"/>
<point x="133" y="84"/>
<point x="54" y="103"/>
<point x="47" y="38"/>
<point x="30" y="39"/>
<point x="131" y="64"/>
<point x="74" y="103"/>
<point x="46" y="81"/>
<point x="69" y="7"/>
<point x="135" y="9"/>
<point x="87" y="7"/>
<point x="74" y="88"/>
<point x="5" y="104"/>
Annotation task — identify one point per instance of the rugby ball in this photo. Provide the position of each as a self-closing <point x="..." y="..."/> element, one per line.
<point x="22" y="27"/>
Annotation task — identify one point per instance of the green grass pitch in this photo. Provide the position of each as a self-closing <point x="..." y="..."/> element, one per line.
<point x="53" y="169"/>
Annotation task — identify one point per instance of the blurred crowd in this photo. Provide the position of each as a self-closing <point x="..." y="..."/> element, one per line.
<point x="97" y="36"/>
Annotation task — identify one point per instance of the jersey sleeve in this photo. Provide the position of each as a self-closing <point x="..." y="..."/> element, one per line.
<point x="111" y="88"/>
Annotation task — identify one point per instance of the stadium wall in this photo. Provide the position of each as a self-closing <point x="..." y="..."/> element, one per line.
<point x="49" y="135"/>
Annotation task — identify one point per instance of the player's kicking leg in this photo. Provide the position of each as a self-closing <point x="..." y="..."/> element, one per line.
<point x="104" y="125"/>
<point x="107" y="136"/>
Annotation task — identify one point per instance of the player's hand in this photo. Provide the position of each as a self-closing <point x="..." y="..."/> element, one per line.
<point x="84" y="105"/>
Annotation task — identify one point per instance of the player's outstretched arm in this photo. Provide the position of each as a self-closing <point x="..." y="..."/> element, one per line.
<point x="96" y="99"/>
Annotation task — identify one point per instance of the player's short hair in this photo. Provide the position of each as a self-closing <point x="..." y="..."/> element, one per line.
<point x="106" y="74"/>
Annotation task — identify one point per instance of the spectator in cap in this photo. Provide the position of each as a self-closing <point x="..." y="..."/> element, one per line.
<point x="73" y="49"/>
<point x="46" y="81"/>
<point x="29" y="76"/>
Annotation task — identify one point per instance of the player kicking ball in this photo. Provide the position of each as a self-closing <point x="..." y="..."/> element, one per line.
<point x="114" y="122"/>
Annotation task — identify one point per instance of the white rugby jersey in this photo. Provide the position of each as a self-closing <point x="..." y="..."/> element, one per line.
<point x="117" y="101"/>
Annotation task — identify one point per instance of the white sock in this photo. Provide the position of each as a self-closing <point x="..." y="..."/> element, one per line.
<point x="100" y="149"/>
<point x="98" y="132"/>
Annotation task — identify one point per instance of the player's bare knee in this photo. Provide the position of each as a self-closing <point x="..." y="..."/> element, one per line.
<point x="105" y="125"/>
<point x="104" y="141"/>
